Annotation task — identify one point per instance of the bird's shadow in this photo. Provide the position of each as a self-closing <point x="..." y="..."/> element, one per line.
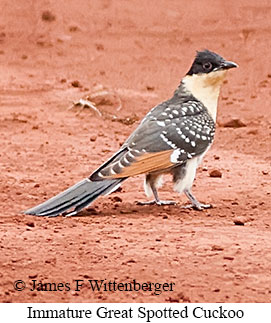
<point x="125" y="208"/>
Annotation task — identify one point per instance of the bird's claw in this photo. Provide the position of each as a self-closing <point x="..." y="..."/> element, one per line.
<point x="199" y="206"/>
<point x="156" y="202"/>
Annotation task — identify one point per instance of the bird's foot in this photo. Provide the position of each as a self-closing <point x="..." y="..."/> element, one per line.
<point x="156" y="202"/>
<point x="197" y="206"/>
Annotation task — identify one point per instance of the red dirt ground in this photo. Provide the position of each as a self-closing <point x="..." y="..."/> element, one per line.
<point x="138" y="51"/>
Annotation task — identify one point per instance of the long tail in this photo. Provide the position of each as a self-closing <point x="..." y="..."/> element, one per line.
<point x="77" y="197"/>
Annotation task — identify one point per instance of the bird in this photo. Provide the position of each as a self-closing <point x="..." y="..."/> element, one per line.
<point x="171" y="139"/>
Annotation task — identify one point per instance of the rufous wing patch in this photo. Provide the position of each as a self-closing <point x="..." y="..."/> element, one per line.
<point x="146" y="163"/>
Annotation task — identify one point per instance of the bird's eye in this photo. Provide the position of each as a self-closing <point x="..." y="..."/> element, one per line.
<point x="207" y="66"/>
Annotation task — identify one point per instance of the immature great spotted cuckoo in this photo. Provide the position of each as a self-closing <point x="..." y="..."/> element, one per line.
<point x="172" y="138"/>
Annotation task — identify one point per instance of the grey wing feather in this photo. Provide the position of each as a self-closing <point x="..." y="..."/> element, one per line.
<point x="186" y="126"/>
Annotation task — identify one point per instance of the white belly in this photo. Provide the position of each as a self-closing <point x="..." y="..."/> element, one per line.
<point x="189" y="172"/>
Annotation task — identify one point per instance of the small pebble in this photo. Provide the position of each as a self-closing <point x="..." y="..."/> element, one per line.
<point x="217" y="248"/>
<point x="116" y="199"/>
<point x="215" y="173"/>
<point x="234" y="123"/>
<point x="228" y="257"/>
<point x="48" y="16"/>
<point x="76" y="83"/>
<point x="73" y="28"/>
<point x="239" y="221"/>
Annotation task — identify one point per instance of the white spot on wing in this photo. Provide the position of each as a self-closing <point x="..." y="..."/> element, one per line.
<point x="125" y="160"/>
<point x="174" y="156"/>
<point x="120" y="164"/>
<point x="179" y="131"/>
<point x="161" y="123"/>
<point x="112" y="171"/>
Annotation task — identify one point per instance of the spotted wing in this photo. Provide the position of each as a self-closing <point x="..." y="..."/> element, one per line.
<point x="170" y="134"/>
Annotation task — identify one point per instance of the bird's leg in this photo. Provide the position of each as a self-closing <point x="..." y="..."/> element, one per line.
<point x="157" y="200"/>
<point x="151" y="181"/>
<point x="195" y="203"/>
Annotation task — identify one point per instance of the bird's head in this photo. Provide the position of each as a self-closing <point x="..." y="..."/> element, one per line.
<point x="209" y="64"/>
<point x="205" y="77"/>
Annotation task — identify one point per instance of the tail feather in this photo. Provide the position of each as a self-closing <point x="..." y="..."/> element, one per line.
<point x="77" y="197"/>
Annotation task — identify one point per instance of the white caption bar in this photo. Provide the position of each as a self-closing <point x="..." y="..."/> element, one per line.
<point x="145" y="313"/>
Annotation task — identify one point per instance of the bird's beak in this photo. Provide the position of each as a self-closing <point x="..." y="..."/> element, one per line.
<point x="228" y="64"/>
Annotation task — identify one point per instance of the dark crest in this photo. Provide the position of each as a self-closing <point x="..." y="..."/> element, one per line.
<point x="206" y="62"/>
